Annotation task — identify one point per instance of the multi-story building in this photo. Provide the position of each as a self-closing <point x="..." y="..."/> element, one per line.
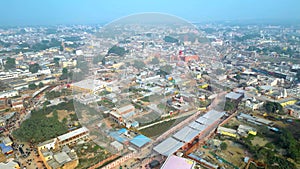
<point x="73" y="137"/>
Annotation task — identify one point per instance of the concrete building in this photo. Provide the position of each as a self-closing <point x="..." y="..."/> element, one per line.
<point x="8" y="94"/>
<point x="63" y="159"/>
<point x="73" y="137"/>
<point x="9" y="165"/>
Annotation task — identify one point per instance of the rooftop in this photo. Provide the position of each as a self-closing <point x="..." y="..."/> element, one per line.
<point x="168" y="146"/>
<point x="233" y="95"/>
<point x="62" y="157"/>
<point x="174" y="162"/>
<point x="72" y="133"/>
<point x="186" y="134"/>
<point x="140" y="140"/>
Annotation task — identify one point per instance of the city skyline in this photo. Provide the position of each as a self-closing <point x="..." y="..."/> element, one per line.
<point x="19" y="13"/>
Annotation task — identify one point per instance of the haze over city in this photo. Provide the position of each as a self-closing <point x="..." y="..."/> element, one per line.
<point x="35" y="12"/>
<point x="138" y="84"/>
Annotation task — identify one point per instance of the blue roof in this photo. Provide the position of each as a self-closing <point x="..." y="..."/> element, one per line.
<point x="118" y="137"/>
<point x="5" y="149"/>
<point x="140" y="140"/>
<point x="122" y="130"/>
<point x="135" y="124"/>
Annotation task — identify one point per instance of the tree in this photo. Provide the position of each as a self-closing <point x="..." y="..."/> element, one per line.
<point x="32" y="86"/>
<point x="274" y="107"/>
<point x="56" y="61"/>
<point x="223" y="146"/>
<point x="10" y="63"/>
<point x="41" y="84"/>
<point x="155" y="61"/>
<point x="65" y="74"/>
<point x="139" y="64"/>
<point x="117" y="50"/>
<point x="165" y="70"/>
<point x="98" y="59"/>
<point x="170" y="39"/>
<point x="34" y="68"/>
<point x="39" y="128"/>
<point x="229" y="106"/>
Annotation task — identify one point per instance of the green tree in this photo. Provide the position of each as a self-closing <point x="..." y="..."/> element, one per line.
<point x="41" y="84"/>
<point x="229" y="106"/>
<point x="98" y="59"/>
<point x="223" y="146"/>
<point x="34" y="68"/>
<point x="39" y="128"/>
<point x="56" y="61"/>
<point x="32" y="86"/>
<point x="10" y="63"/>
<point x="170" y="39"/>
<point x="65" y="74"/>
<point x="274" y="107"/>
<point x="117" y="50"/>
<point x="138" y="64"/>
<point x="165" y="70"/>
<point x="155" y="61"/>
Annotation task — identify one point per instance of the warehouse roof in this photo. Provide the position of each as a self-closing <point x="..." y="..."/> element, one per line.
<point x="186" y="134"/>
<point x="168" y="146"/>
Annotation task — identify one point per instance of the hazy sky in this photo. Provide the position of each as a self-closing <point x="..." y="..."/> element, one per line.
<point x="36" y="12"/>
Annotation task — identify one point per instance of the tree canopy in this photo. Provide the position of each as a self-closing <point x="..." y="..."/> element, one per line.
<point x="32" y="86"/>
<point x="139" y="64"/>
<point x="223" y="146"/>
<point x="117" y="50"/>
<point x="274" y="107"/>
<point x="34" y="68"/>
<point x="170" y="39"/>
<point x="155" y="61"/>
<point x="98" y="59"/>
<point x="229" y="106"/>
<point x="40" y="128"/>
<point x="10" y="63"/>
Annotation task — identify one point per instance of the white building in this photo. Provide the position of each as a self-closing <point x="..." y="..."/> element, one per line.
<point x="10" y="93"/>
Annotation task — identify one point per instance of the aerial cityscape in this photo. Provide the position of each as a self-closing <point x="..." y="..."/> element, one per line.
<point x="150" y="89"/>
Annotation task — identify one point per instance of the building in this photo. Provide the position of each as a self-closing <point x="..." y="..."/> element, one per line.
<point x="65" y="158"/>
<point x="117" y="146"/>
<point x="140" y="141"/>
<point x="3" y="103"/>
<point x="189" y="134"/>
<point x="49" y="144"/>
<point x="244" y="130"/>
<point x="235" y="97"/>
<point x="89" y="85"/>
<point x="17" y="103"/>
<point x="227" y="132"/>
<point x="73" y="137"/>
<point x="294" y="111"/>
<point x="174" y="162"/>
<point x="8" y="94"/>
<point x="126" y="111"/>
<point x="9" y="165"/>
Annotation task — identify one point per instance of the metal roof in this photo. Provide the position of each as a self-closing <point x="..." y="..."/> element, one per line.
<point x="186" y="134"/>
<point x="168" y="146"/>
<point x="174" y="162"/>
<point x="140" y="140"/>
<point x="197" y="126"/>
<point x="233" y="95"/>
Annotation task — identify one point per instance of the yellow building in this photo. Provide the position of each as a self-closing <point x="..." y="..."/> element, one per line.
<point x="288" y="102"/>
<point x="203" y="86"/>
